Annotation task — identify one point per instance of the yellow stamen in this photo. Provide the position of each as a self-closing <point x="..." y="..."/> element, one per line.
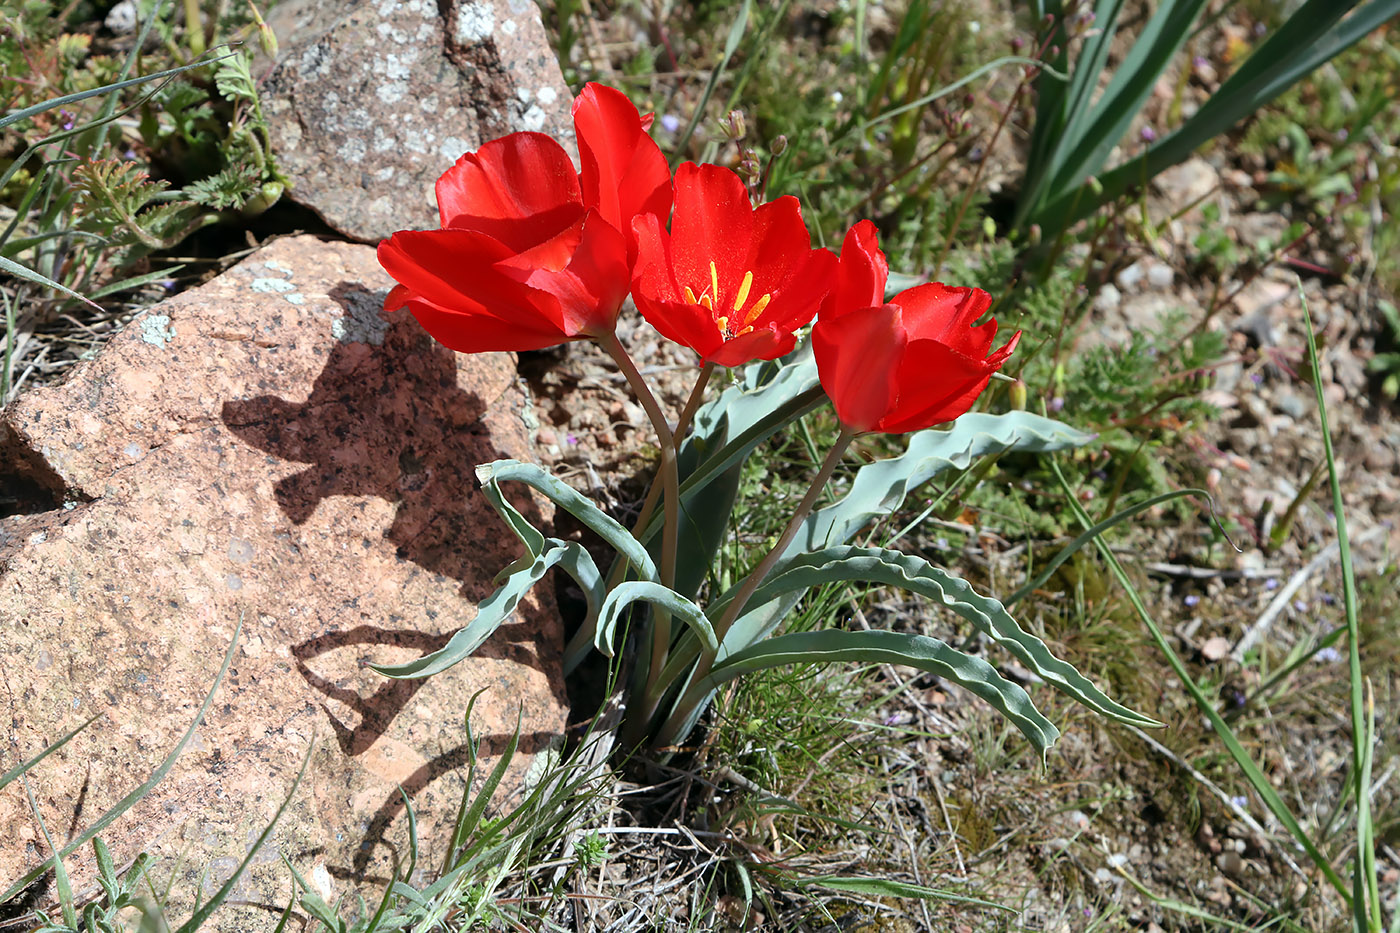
<point x="706" y="303"/>
<point x="757" y="309"/>
<point x="714" y="281"/>
<point x="690" y="296"/>
<point x="743" y="295"/>
<point x="723" y="324"/>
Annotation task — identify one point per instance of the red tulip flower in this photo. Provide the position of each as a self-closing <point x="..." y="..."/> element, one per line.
<point x="906" y="365"/>
<point x="532" y="253"/>
<point x="730" y="281"/>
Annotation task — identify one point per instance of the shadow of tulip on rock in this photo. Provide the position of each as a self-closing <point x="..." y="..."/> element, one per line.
<point x="388" y="420"/>
<point x="387" y="417"/>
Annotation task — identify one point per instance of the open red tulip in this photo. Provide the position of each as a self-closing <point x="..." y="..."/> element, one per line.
<point x="532" y="253"/>
<point x="730" y="281"/>
<point x="906" y="365"/>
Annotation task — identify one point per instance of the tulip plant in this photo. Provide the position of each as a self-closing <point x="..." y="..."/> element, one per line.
<point x="532" y="253"/>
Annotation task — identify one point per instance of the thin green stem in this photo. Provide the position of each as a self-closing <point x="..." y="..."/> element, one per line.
<point x="1364" y="887"/>
<point x="706" y="659"/>
<point x="1246" y="764"/>
<point x="670" y="483"/>
<point x="692" y="404"/>
<point x="804" y="508"/>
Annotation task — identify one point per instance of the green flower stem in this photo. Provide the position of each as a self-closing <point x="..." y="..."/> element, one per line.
<point x="804" y="508"/>
<point x="697" y="394"/>
<point x="670" y="483"/>
<point x="736" y="608"/>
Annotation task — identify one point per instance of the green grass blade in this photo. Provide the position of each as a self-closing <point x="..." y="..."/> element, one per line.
<point x="887" y="887"/>
<point x="60" y="874"/>
<point x="731" y="45"/>
<point x="127" y="802"/>
<point x="1086" y="536"/>
<point x="197" y="919"/>
<point x="15" y="116"/>
<point x="1310" y="37"/>
<point x="1364" y="880"/>
<point x="29" y="275"/>
<point x="1251" y="771"/>
<point x="136" y="281"/>
<point x="25" y="766"/>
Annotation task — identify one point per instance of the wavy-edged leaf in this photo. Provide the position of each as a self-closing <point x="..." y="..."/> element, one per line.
<point x="880" y="487"/>
<point x="576" y="504"/>
<point x="912" y="573"/>
<point x="520" y="576"/>
<point x="529" y="535"/>
<point x="919" y="651"/>
<point x="677" y="605"/>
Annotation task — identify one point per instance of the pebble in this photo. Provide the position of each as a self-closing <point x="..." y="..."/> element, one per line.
<point x="1160" y="276"/>
<point x="1108" y="298"/>
<point x="1292" y="405"/>
<point x="1129" y="278"/>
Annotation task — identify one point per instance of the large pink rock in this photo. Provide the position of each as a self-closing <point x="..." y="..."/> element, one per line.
<point x="265" y="448"/>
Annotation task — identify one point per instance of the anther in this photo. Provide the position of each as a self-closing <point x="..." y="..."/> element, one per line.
<point x="743" y="295"/>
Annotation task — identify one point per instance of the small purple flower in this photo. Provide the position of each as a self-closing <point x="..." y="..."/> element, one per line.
<point x="1056" y="404"/>
<point x="1342" y="135"/>
<point x="1271" y="583"/>
<point x="570" y="439"/>
<point x="1192" y="601"/>
<point x="67" y="119"/>
<point x="1260" y="29"/>
<point x="1256" y="378"/>
<point x="1199" y="62"/>
<point x="1241" y="801"/>
<point x="1299" y="605"/>
<point x="1328" y="599"/>
<point x="670" y="122"/>
<point x="1328" y="655"/>
<point x="1148" y="134"/>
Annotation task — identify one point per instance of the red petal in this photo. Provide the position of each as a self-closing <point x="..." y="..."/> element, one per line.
<point x="801" y="293"/>
<point x="713" y="222"/>
<point x="592" y="287"/>
<point x="520" y="189"/>
<point x="860" y="282"/>
<point x="938" y="384"/>
<point x="858" y="356"/>
<point x="470" y="333"/>
<point x="936" y="312"/>
<point x="779" y="243"/>
<point x="623" y="170"/>
<point x="455" y="271"/>
<point x="766" y="344"/>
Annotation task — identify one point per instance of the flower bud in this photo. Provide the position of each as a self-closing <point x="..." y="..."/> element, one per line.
<point x="1018" y="395"/>
<point x="778" y="146"/>
<point x="266" y="38"/>
<point x="733" y="125"/>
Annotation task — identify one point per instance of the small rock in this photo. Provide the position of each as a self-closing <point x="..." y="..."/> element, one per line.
<point x="1129" y="277"/>
<point x="1159" y="276"/>
<point x="1292" y="405"/>
<point x="1215" y="648"/>
<point x="1108" y="298"/>
<point x="121" y="18"/>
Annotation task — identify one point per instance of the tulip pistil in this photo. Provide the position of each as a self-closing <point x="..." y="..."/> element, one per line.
<point x="709" y="298"/>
